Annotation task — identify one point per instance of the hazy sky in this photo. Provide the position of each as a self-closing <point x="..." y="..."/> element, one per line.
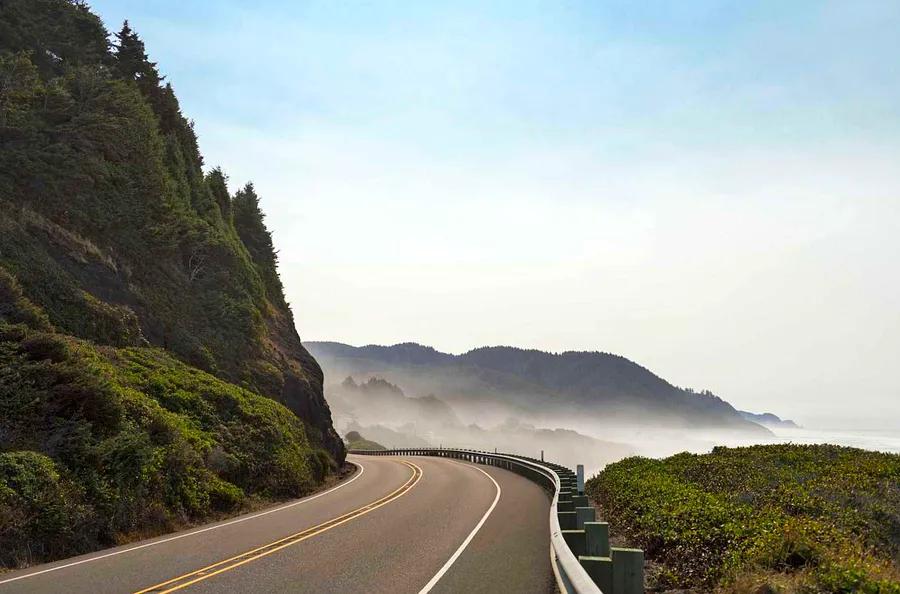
<point x="711" y="189"/>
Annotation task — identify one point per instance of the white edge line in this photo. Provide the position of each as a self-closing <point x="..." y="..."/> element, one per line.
<point x="200" y="531"/>
<point x="431" y="584"/>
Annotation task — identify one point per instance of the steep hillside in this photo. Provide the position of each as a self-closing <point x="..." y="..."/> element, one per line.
<point x="166" y="353"/>
<point x="100" y="444"/>
<point x="110" y="225"/>
<point x="529" y="382"/>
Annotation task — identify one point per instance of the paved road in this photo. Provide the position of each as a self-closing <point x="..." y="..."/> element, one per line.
<point x="416" y="524"/>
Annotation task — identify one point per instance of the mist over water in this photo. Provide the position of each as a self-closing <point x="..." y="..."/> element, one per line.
<point x="876" y="440"/>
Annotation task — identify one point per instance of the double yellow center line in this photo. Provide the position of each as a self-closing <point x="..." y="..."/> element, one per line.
<point x="204" y="573"/>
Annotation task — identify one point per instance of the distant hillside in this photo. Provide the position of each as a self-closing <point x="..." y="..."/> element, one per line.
<point x="150" y="371"/>
<point x="529" y="382"/>
<point x="769" y="420"/>
<point x="355" y="441"/>
<point x="379" y="401"/>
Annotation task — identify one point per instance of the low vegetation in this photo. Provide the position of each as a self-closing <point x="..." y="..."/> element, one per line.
<point x="775" y="518"/>
<point x="355" y="441"/>
<point x="102" y="444"/>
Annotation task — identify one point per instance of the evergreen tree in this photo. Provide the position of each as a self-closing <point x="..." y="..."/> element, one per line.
<point x="217" y="182"/>
<point x="19" y="86"/>
<point x="250" y="224"/>
<point x="183" y="158"/>
<point x="132" y="62"/>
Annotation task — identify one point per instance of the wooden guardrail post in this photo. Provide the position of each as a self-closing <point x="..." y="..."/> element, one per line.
<point x="566" y="520"/>
<point x="575" y="541"/>
<point x="584" y="514"/>
<point x="628" y="571"/>
<point x="597" y="539"/>
<point x="600" y="569"/>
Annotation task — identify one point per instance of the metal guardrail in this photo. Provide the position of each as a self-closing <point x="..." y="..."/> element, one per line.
<point x="571" y="576"/>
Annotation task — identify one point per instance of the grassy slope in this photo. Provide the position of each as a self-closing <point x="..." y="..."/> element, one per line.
<point x="796" y="518"/>
<point x="101" y="444"/>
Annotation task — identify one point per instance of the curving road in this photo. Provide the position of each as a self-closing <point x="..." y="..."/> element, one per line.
<point x="416" y="524"/>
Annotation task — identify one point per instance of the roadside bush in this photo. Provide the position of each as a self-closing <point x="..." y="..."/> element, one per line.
<point x="103" y="445"/>
<point x="810" y="518"/>
<point x="39" y="512"/>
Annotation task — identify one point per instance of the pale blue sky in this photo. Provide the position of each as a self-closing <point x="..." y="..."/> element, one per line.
<point x="709" y="188"/>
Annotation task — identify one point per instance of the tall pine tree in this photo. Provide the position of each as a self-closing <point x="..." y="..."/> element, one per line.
<point x="218" y="185"/>
<point x="182" y="153"/>
<point x="132" y="62"/>
<point x="250" y="225"/>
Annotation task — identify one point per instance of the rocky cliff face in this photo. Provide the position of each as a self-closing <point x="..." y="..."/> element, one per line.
<point x="110" y="225"/>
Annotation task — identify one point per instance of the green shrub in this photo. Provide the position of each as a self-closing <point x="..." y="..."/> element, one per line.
<point x="15" y="308"/>
<point x="40" y="347"/>
<point x="40" y="515"/>
<point x="826" y="517"/>
<point x="131" y="442"/>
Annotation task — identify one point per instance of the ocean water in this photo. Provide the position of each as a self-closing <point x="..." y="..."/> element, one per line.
<point x="662" y="443"/>
<point x="879" y="441"/>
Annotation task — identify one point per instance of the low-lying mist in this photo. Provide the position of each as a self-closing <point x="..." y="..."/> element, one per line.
<point x="576" y="408"/>
<point x="382" y="412"/>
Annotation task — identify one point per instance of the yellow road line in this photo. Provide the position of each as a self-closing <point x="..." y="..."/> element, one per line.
<point x="183" y="581"/>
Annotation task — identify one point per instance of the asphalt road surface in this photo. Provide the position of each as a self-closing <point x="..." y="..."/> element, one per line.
<point x="416" y="524"/>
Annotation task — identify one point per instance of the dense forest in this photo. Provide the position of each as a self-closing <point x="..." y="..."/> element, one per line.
<point x="766" y="519"/>
<point x="150" y="371"/>
<point x="532" y="385"/>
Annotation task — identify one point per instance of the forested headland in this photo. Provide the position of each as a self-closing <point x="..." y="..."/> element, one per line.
<point x="150" y="372"/>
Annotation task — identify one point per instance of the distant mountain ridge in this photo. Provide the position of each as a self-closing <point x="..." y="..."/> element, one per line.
<point x="587" y="383"/>
<point x="769" y="420"/>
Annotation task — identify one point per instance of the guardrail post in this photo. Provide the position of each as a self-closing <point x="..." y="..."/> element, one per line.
<point x="628" y="571"/>
<point x="600" y="569"/>
<point x="566" y="520"/>
<point x="579" y="473"/>
<point x="584" y="514"/>
<point x="575" y="540"/>
<point x="597" y="539"/>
